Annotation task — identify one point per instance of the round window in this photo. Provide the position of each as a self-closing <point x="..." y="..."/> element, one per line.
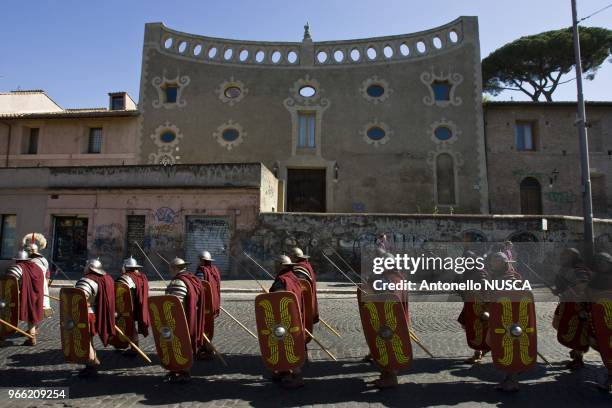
<point x="375" y="91"/>
<point x="376" y="133"/>
<point x="443" y="133"/>
<point x="231" y="134"/>
<point x="168" y="136"/>
<point x="307" y="91"/>
<point x="232" y="92"/>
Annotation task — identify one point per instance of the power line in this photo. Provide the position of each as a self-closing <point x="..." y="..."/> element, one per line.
<point x="597" y="12"/>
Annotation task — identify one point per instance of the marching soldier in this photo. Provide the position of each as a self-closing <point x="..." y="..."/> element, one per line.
<point x="33" y="244"/>
<point x="188" y="289"/>
<point x="286" y="280"/>
<point x="473" y="317"/>
<point x="500" y="269"/>
<point x="100" y="294"/>
<point x="138" y="284"/>
<point x="304" y="270"/>
<point x="31" y="278"/>
<point x="599" y="291"/>
<point x="572" y="317"/>
<point x="210" y="273"/>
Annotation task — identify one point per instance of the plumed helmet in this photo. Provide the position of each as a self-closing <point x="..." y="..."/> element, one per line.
<point x="178" y="262"/>
<point x="95" y="265"/>
<point x="285" y="260"/>
<point x="131" y="263"/>
<point x="35" y="238"/>
<point x="205" y="255"/>
<point x="298" y="253"/>
<point x="22" y="255"/>
<point x="32" y="248"/>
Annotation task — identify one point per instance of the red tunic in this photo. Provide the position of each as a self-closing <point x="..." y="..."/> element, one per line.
<point x="286" y="280"/>
<point x="32" y="293"/>
<point x="105" y="307"/>
<point x="194" y="308"/>
<point x="141" y="302"/>
<point x="212" y="275"/>
<point x="313" y="281"/>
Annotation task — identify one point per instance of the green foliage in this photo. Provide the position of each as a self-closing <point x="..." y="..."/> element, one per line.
<point x="535" y="64"/>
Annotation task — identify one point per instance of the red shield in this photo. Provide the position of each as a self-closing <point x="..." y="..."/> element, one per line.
<point x="574" y="323"/>
<point x="209" y="313"/>
<point x="601" y="315"/>
<point x="308" y="312"/>
<point x="280" y="331"/>
<point x="170" y="332"/>
<point x="9" y="304"/>
<point x="476" y="325"/>
<point x="385" y="326"/>
<point x="512" y="331"/>
<point x="124" y="316"/>
<point x="74" y="325"/>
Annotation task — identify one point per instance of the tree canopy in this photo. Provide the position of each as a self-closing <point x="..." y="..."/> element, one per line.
<point x="535" y="64"/>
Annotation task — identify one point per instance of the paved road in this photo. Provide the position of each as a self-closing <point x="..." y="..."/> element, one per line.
<point x="442" y="381"/>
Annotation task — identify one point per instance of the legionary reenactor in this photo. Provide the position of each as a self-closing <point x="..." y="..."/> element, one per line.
<point x="287" y="281"/>
<point x="511" y="335"/>
<point x="474" y="316"/>
<point x="386" y="325"/>
<point x="304" y="270"/>
<point x="572" y="315"/>
<point x="599" y="292"/>
<point x="33" y="244"/>
<point x="209" y="273"/>
<point x="100" y="294"/>
<point x="31" y="280"/>
<point x="188" y="288"/>
<point x="134" y="278"/>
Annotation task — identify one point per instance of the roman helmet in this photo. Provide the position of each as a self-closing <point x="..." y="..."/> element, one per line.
<point x="95" y="266"/>
<point x="284" y="260"/>
<point x="34" y="242"/>
<point x="131" y="263"/>
<point x="205" y="256"/>
<point x="22" y="255"/>
<point x="298" y="253"/>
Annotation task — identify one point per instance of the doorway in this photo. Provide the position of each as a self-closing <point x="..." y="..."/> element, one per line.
<point x="306" y="190"/>
<point x="70" y="242"/>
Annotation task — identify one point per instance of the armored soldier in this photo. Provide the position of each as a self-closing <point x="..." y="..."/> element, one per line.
<point x="31" y="279"/>
<point x="208" y="272"/>
<point x="34" y="243"/>
<point x="304" y="270"/>
<point x="572" y="315"/>
<point x="136" y="280"/>
<point x="100" y="294"/>
<point x="188" y="289"/>
<point x="473" y="317"/>
<point x="286" y="280"/>
<point x="599" y="292"/>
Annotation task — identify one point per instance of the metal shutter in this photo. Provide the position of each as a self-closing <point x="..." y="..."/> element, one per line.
<point x="135" y="232"/>
<point x="211" y="234"/>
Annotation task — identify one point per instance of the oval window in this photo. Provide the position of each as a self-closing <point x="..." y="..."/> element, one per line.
<point x="376" y="133"/>
<point x="229" y="135"/>
<point x="375" y="91"/>
<point x="443" y="133"/>
<point x="307" y="91"/>
<point x="168" y="136"/>
<point x="232" y="92"/>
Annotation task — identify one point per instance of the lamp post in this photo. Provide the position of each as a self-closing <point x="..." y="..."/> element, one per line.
<point x="587" y="203"/>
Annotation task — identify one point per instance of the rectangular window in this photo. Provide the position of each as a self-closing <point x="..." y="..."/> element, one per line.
<point x="306" y="129"/>
<point x="171" y="93"/>
<point x="525" y="136"/>
<point x="95" y="140"/>
<point x="31" y="145"/>
<point x="135" y="233"/>
<point x="7" y="235"/>
<point x="118" y="102"/>
<point x="441" y="90"/>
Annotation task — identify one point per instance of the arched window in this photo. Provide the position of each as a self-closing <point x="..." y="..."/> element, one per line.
<point x="445" y="179"/>
<point x="531" y="196"/>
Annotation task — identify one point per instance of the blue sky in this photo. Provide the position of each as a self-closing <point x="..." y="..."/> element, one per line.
<point x="80" y="50"/>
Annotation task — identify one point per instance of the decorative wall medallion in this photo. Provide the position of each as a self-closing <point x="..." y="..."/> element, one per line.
<point x="162" y="83"/>
<point x="229" y="134"/>
<point x="231" y="92"/>
<point x="431" y="79"/>
<point x="306" y="91"/>
<point x="167" y="138"/>
<point x="376" y="133"/>
<point x="444" y="131"/>
<point x="375" y="90"/>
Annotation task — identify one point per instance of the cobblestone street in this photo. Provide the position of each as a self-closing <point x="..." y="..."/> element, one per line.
<point x="441" y="381"/>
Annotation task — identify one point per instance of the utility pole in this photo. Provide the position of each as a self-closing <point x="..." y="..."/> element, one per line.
<point x="587" y="202"/>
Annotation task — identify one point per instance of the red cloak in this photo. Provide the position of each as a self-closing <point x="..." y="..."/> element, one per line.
<point x="286" y="280"/>
<point x="313" y="281"/>
<point x="32" y="293"/>
<point x="141" y="302"/>
<point x="105" y="307"/>
<point x="212" y="275"/>
<point x="194" y="308"/>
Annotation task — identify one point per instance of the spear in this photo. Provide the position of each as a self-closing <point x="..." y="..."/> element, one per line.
<point x="345" y="262"/>
<point x="327" y="325"/>
<point x="147" y="258"/>
<point x="17" y="329"/>
<point x="219" y="355"/>
<point x="134" y="346"/>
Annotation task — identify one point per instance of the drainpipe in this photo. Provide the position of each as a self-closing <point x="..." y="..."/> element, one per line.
<point x="8" y="143"/>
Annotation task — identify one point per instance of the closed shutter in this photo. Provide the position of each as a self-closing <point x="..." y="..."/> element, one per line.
<point x="211" y="234"/>
<point x="135" y="233"/>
